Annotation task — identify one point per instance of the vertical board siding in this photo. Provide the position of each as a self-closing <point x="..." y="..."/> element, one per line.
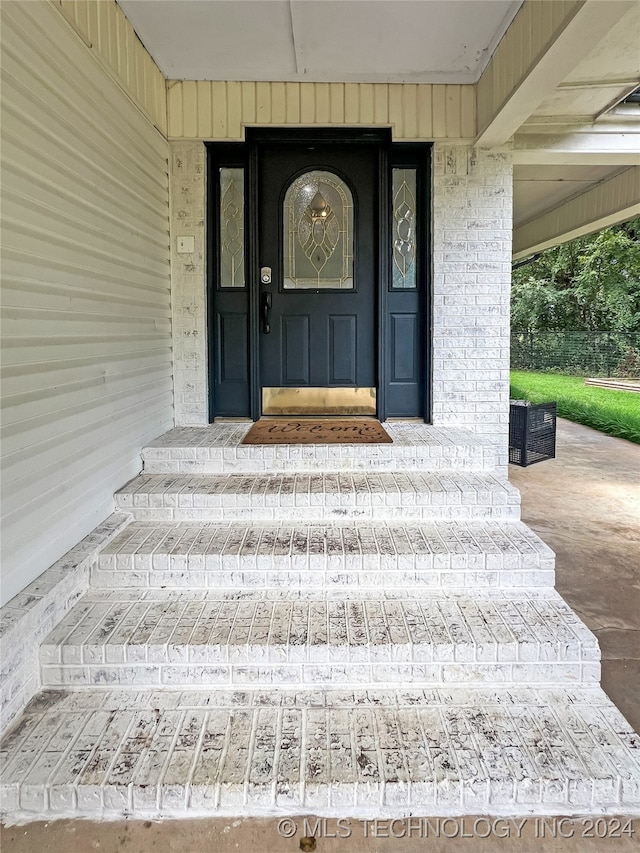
<point x="221" y="110"/>
<point x="105" y="29"/>
<point x="86" y="322"/>
<point x="531" y="32"/>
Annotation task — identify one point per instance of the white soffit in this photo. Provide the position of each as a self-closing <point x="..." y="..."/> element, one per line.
<point x="418" y="41"/>
<point x="608" y="73"/>
<point x="538" y="189"/>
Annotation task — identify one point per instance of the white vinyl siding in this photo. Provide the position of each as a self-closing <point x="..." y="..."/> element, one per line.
<point x="86" y="328"/>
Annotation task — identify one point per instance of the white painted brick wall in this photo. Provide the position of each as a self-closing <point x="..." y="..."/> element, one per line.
<point x="27" y="618"/>
<point x="471" y="232"/>
<point x="472" y="221"/>
<point x="188" y="284"/>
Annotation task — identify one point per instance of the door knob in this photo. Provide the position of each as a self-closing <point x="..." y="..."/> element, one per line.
<point x="266" y="306"/>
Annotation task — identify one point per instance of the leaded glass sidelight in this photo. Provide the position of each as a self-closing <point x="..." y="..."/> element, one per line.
<point x="318" y="233"/>
<point x="404" y="228"/>
<point x="232" y="228"/>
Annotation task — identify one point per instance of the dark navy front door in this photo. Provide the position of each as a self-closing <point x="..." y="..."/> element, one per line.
<point x="318" y="256"/>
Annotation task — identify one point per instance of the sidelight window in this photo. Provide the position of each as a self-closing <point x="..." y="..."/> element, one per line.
<point x="232" y="227"/>
<point x="404" y="228"/>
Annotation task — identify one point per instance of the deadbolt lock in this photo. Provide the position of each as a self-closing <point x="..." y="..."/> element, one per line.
<point x="265" y="275"/>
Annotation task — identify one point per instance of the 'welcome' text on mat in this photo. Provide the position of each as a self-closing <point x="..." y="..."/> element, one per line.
<point x="329" y="431"/>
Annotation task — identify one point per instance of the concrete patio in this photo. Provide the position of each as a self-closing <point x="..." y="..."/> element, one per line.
<point x="586" y="506"/>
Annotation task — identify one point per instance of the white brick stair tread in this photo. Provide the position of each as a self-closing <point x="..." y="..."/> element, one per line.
<point x="218" y="449"/>
<point x="191" y="638"/>
<point x="320" y="497"/>
<point x="341" y="753"/>
<point x="431" y="555"/>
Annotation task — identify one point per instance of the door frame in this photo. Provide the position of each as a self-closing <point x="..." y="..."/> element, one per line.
<point x="390" y="154"/>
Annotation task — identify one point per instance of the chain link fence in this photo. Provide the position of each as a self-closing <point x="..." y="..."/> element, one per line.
<point x="606" y="354"/>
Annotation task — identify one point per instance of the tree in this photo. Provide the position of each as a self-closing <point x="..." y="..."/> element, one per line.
<point x="589" y="284"/>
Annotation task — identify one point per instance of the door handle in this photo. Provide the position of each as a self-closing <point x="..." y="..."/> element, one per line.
<point x="266" y="302"/>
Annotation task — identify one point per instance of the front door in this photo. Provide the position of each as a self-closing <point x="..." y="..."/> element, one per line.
<point x="318" y="258"/>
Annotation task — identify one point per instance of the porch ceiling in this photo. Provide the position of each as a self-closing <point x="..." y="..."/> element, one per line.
<point x="576" y="156"/>
<point x="537" y="189"/>
<point x="430" y="41"/>
<point x="607" y="73"/>
<point x="568" y="141"/>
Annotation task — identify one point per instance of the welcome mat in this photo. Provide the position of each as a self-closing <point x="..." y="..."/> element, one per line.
<point x="310" y="431"/>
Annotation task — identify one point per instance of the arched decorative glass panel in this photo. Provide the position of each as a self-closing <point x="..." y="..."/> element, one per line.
<point x="318" y="233"/>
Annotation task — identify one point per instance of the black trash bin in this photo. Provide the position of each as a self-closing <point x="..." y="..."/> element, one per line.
<point x="532" y="432"/>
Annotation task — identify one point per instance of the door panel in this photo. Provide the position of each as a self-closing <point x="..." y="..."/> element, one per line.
<point x="404" y="366"/>
<point x="322" y="251"/>
<point x="295" y="348"/>
<point x="232" y="348"/>
<point x="404" y="342"/>
<point x="343" y="334"/>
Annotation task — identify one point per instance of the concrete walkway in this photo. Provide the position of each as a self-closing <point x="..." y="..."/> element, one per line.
<point x="586" y="506"/>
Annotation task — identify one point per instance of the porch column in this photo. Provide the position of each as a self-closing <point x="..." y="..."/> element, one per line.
<point x="188" y="284"/>
<point x="472" y="230"/>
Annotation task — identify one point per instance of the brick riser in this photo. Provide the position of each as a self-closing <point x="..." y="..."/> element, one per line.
<point x="314" y="676"/>
<point x="360" y="580"/>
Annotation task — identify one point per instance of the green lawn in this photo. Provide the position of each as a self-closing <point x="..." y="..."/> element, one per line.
<point x="614" y="412"/>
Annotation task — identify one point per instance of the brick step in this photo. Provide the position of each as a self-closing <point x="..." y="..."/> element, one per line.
<point x="326" y="557"/>
<point x="217" y="449"/>
<point x="342" y="753"/>
<point x="206" y="639"/>
<point x="320" y="497"/>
